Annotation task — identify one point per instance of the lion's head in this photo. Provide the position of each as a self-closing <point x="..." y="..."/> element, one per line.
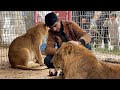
<point x="42" y="27"/>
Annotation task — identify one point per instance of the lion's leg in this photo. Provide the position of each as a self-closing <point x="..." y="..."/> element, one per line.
<point x="41" y="61"/>
<point x="19" y="57"/>
<point x="24" y="56"/>
<point x="38" y="55"/>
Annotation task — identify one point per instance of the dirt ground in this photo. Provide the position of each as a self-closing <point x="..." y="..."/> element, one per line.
<point x="6" y="72"/>
<point x="9" y="73"/>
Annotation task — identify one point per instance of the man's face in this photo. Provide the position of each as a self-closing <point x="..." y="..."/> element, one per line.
<point x="112" y="18"/>
<point x="56" y="26"/>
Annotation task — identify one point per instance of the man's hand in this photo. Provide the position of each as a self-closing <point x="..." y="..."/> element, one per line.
<point x="75" y="42"/>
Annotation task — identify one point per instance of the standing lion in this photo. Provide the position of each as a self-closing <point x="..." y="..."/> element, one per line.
<point x="21" y="48"/>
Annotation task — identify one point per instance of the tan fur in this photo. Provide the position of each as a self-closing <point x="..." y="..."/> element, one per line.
<point x="78" y="62"/>
<point x="21" y="48"/>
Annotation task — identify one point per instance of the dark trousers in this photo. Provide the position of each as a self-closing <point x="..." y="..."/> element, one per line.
<point x="47" y="60"/>
<point x="106" y="37"/>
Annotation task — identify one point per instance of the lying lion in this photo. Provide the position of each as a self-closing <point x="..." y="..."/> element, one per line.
<point x="78" y="62"/>
<point x="21" y="47"/>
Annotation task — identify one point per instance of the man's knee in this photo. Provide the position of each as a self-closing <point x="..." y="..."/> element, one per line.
<point x="47" y="61"/>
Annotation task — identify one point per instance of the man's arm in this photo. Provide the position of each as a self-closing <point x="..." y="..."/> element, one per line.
<point x="117" y="23"/>
<point x="50" y="45"/>
<point x="106" y="22"/>
<point x="80" y="33"/>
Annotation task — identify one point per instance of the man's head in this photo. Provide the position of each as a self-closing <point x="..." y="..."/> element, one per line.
<point x="51" y="20"/>
<point x="113" y="16"/>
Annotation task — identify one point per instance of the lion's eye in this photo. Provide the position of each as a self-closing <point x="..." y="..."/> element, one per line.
<point x="57" y="54"/>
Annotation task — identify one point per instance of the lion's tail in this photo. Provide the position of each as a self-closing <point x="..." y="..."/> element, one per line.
<point x="28" y="68"/>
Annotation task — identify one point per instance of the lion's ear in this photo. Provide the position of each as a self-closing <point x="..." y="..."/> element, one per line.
<point x="68" y="49"/>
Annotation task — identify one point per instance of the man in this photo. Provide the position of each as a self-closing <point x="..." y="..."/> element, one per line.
<point x="103" y="30"/>
<point x="62" y="31"/>
<point x="112" y="23"/>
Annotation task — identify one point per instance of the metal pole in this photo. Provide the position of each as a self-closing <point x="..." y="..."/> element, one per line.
<point x="35" y="17"/>
<point x="69" y="15"/>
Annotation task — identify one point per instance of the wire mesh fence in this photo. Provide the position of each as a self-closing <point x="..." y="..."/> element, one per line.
<point x="103" y="28"/>
<point x="12" y="25"/>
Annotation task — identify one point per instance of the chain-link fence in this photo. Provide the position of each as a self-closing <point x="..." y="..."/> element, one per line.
<point x="12" y="25"/>
<point x="101" y="26"/>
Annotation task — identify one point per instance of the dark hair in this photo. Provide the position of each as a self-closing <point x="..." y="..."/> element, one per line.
<point x="113" y="15"/>
<point x="50" y="19"/>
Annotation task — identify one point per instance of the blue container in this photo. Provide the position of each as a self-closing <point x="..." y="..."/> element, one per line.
<point x="43" y="46"/>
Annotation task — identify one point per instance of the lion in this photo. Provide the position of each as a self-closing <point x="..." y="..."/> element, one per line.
<point x="77" y="62"/>
<point x="21" y="48"/>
